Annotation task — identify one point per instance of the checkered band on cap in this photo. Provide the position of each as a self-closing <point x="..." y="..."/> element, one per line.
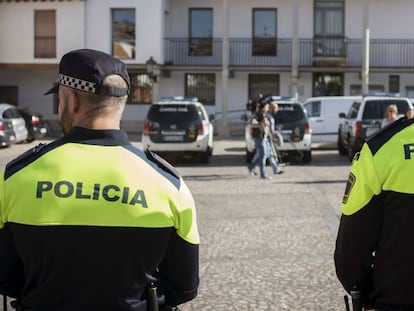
<point x="76" y="83"/>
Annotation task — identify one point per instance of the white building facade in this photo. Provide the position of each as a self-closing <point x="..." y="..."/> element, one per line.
<point x="222" y="51"/>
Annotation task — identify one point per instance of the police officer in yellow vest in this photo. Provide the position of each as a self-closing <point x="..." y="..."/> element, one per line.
<point x="89" y="221"/>
<point x="374" y="256"/>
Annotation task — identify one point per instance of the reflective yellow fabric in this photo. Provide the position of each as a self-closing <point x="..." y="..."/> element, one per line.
<point x="389" y="169"/>
<point x="116" y="188"/>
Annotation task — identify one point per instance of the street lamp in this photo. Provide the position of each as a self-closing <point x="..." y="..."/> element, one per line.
<point x="153" y="69"/>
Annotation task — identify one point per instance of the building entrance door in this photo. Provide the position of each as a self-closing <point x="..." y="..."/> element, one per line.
<point x="328" y="84"/>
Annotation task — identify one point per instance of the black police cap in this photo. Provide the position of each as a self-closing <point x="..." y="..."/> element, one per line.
<point x="86" y="69"/>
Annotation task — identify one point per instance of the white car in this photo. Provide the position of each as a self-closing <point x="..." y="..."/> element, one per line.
<point x="364" y="118"/>
<point x="11" y="113"/>
<point x="179" y="125"/>
<point x="292" y="124"/>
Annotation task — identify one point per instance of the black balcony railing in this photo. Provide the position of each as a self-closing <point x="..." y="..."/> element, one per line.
<point x="193" y="51"/>
<point x="252" y="52"/>
<point x="329" y="46"/>
<point x="247" y="52"/>
<point x="387" y="53"/>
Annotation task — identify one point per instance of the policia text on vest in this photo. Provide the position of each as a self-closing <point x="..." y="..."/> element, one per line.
<point x="79" y="190"/>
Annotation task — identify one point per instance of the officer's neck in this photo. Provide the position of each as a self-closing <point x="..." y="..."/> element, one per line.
<point x="100" y="122"/>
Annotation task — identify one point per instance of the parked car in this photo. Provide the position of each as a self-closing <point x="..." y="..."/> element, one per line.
<point x="11" y="113"/>
<point x="291" y="122"/>
<point x="179" y="125"/>
<point x="35" y="124"/>
<point x="363" y="119"/>
<point x="323" y="113"/>
<point x="7" y="136"/>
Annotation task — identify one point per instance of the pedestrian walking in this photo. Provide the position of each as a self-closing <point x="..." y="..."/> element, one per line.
<point x="88" y="221"/>
<point x="273" y="153"/>
<point x="269" y="110"/>
<point x="260" y="132"/>
<point x="373" y="255"/>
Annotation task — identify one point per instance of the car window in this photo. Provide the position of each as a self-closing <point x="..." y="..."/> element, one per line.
<point x="289" y="113"/>
<point x="313" y="109"/>
<point x="353" y="110"/>
<point x="201" y="114"/>
<point x="375" y="109"/>
<point x="169" y="112"/>
<point x="11" y="113"/>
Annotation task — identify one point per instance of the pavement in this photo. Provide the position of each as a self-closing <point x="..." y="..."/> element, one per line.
<point x="267" y="245"/>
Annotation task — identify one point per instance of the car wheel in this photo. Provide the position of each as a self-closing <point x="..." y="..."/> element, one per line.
<point x="249" y="156"/>
<point x="307" y="156"/>
<point x="341" y="148"/>
<point x="351" y="152"/>
<point x="204" y="156"/>
<point x="30" y="139"/>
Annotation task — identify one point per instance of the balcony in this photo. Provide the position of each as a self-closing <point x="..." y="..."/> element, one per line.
<point x="329" y="51"/>
<point x="322" y="51"/>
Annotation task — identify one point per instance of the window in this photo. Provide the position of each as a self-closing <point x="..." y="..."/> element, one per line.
<point x="394" y="84"/>
<point x="202" y="86"/>
<point x="356" y="89"/>
<point x="374" y="109"/>
<point x="327" y="84"/>
<point x="123" y="33"/>
<point x="45" y="34"/>
<point x="353" y="110"/>
<point x="329" y="37"/>
<point x="313" y="109"/>
<point x="141" y="89"/>
<point x="264" y="32"/>
<point x="263" y="84"/>
<point x="8" y="95"/>
<point x="201" y="32"/>
<point x="409" y="91"/>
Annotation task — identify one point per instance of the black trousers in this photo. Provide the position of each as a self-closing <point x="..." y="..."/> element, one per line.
<point x="393" y="308"/>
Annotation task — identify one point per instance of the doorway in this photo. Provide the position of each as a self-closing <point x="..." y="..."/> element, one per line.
<point x="328" y="84"/>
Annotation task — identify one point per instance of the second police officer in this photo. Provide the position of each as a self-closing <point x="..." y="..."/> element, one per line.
<point x="373" y="255"/>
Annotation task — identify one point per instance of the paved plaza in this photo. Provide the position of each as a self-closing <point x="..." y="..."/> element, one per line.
<point x="265" y="245"/>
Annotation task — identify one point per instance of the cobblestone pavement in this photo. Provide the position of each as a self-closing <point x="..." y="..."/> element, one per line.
<point x="265" y="245"/>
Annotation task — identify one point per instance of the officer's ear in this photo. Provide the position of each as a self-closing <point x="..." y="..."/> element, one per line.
<point x="74" y="101"/>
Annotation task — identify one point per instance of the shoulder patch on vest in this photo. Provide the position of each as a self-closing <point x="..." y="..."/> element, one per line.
<point x="164" y="165"/>
<point x="349" y="184"/>
<point x="25" y="155"/>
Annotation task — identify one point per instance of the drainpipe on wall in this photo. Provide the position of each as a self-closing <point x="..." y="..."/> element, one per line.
<point x="224" y="126"/>
<point x="365" y="47"/>
<point x="85" y="25"/>
<point x="295" y="69"/>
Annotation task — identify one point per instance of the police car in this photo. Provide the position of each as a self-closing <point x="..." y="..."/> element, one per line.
<point x="179" y="125"/>
<point x="364" y="118"/>
<point x="292" y="125"/>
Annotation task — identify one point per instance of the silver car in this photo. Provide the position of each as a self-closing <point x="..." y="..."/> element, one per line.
<point x="11" y="113"/>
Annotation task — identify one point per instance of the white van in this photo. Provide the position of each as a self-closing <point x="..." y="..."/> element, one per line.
<point x="323" y="113"/>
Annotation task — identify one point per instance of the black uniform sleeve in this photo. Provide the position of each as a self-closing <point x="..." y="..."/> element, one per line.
<point x="11" y="267"/>
<point x="355" y="248"/>
<point x="359" y="227"/>
<point x="179" y="271"/>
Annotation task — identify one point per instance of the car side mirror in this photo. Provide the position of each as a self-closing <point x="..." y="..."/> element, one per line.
<point x="244" y="117"/>
<point x="342" y="115"/>
<point x="211" y="117"/>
